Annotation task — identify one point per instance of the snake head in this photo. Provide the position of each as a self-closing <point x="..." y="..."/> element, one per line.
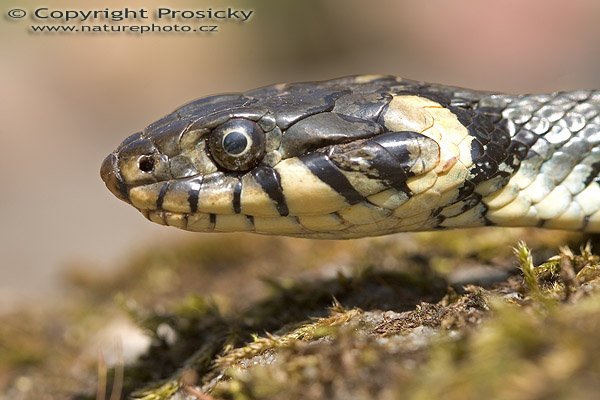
<point x="344" y="158"/>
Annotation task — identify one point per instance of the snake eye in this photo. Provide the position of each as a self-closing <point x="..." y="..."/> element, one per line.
<point x="237" y="145"/>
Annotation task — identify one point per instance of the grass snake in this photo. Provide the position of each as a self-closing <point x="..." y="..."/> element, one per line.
<point x="364" y="156"/>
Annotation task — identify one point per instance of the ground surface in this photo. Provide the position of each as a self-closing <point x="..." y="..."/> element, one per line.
<point x="453" y="314"/>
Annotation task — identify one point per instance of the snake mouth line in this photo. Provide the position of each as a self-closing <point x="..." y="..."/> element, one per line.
<point x="180" y="220"/>
<point x="211" y="222"/>
<point x="334" y="225"/>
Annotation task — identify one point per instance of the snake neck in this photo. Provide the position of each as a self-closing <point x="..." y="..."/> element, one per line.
<point x="557" y="142"/>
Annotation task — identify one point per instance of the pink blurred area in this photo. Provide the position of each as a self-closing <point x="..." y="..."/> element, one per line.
<point x="69" y="99"/>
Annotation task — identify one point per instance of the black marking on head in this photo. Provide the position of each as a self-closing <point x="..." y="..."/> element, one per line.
<point x="324" y="169"/>
<point x="393" y="150"/>
<point x="193" y="196"/>
<point x="464" y="191"/>
<point x="386" y="166"/>
<point x="388" y="157"/>
<point x="161" y="195"/>
<point x="212" y="220"/>
<point x="237" y="194"/>
<point x="376" y="162"/>
<point x="270" y="182"/>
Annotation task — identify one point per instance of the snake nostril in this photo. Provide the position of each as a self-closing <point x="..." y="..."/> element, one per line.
<point x="146" y="164"/>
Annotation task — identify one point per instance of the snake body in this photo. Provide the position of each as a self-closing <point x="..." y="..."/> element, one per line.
<point x="363" y="156"/>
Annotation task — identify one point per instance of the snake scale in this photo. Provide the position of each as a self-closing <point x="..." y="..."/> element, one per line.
<point x="364" y="156"/>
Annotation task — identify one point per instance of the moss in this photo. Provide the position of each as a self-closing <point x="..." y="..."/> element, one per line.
<point x="519" y="345"/>
<point x="358" y="319"/>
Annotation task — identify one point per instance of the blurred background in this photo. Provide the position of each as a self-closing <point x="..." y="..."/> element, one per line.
<point x="68" y="99"/>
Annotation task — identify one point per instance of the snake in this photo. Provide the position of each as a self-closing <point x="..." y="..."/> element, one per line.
<point x="366" y="155"/>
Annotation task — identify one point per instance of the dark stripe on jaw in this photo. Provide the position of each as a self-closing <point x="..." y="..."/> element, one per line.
<point x="194" y="196"/>
<point x="269" y="181"/>
<point x="213" y="221"/>
<point x="324" y="169"/>
<point x="237" y="195"/>
<point x="161" y="195"/>
<point x="193" y="200"/>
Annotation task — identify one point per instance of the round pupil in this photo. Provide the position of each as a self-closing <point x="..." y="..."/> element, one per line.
<point x="235" y="143"/>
